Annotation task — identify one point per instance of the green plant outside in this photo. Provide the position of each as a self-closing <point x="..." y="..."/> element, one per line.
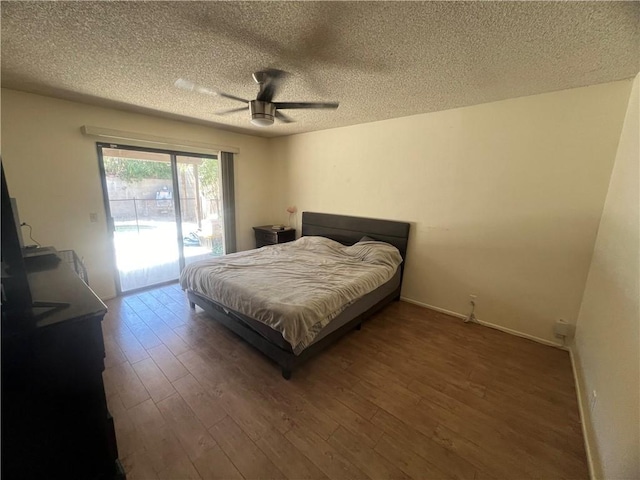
<point x="136" y="170"/>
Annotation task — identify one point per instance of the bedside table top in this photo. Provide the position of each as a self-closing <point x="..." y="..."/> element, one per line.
<point x="269" y="228"/>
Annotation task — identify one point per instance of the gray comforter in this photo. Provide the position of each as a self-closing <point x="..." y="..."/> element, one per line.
<point x="295" y="288"/>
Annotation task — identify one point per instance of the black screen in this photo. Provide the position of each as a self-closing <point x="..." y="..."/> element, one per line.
<point x="15" y="287"/>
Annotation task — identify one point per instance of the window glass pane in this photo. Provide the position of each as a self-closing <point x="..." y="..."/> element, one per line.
<point x="201" y="207"/>
<point x="141" y="200"/>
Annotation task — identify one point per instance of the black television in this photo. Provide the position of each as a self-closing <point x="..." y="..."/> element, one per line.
<point x="16" y="294"/>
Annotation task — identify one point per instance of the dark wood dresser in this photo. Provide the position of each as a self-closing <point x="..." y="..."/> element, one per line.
<point x="55" y="421"/>
<point x="267" y="235"/>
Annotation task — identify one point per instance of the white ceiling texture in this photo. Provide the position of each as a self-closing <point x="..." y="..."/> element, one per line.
<point x="378" y="59"/>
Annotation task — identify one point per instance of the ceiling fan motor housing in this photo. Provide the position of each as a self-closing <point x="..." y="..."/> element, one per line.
<point x="262" y="113"/>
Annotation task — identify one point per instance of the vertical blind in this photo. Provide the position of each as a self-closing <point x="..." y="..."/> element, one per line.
<point x="228" y="202"/>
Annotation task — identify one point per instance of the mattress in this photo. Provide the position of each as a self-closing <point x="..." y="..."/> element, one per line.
<point x="296" y="288"/>
<point x="352" y="311"/>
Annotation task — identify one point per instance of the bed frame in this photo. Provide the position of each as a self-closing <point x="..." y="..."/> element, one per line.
<point x="344" y="229"/>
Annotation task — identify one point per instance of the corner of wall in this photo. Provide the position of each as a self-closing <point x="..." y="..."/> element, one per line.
<point x="605" y="355"/>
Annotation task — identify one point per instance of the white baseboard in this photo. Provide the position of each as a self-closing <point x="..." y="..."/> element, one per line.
<point x="487" y="324"/>
<point x="523" y="335"/>
<point x="582" y="407"/>
<point x="431" y="307"/>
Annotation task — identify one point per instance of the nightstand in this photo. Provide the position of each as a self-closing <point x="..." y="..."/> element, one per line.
<point x="267" y="235"/>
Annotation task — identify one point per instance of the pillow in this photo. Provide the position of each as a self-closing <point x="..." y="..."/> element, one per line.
<point x="367" y="238"/>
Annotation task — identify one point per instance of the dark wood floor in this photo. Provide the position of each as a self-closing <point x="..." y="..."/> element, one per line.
<point x="414" y="394"/>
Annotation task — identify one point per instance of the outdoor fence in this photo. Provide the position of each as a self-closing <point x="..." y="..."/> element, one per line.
<point x="137" y="214"/>
<point x="162" y="210"/>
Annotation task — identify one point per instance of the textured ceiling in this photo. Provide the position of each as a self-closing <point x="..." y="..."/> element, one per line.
<point x="378" y="59"/>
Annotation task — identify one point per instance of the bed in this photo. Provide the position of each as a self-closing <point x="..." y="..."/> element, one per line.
<point x="288" y="349"/>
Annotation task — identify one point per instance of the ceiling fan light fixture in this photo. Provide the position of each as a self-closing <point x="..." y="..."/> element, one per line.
<point x="261" y="121"/>
<point x="262" y="113"/>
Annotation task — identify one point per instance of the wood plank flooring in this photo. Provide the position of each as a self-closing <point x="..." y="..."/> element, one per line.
<point x="413" y="395"/>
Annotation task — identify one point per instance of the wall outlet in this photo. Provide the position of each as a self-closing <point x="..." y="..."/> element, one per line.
<point x="473" y="298"/>
<point x="563" y="329"/>
<point x="93" y="217"/>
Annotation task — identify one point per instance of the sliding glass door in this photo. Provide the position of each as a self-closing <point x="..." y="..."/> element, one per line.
<point x="165" y="211"/>
<point x="201" y="210"/>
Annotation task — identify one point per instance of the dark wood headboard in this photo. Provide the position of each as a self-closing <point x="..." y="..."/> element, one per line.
<point x="348" y="230"/>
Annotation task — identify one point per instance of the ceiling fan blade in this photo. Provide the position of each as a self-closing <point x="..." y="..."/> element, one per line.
<point x="232" y="97"/>
<point x="232" y="110"/>
<point x="194" y="87"/>
<point x="269" y="81"/>
<point x="284" y="118"/>
<point x="289" y="105"/>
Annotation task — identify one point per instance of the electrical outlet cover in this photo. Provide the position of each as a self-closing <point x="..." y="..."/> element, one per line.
<point x="563" y="329"/>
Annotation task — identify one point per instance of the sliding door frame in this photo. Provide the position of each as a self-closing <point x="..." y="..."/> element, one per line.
<point x="227" y="198"/>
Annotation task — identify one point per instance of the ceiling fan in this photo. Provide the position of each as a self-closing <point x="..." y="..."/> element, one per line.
<point x="263" y="110"/>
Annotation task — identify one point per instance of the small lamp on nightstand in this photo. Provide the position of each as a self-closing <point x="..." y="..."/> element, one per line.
<point x="291" y="211"/>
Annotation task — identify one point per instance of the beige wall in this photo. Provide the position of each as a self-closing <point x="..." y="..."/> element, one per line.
<point x="52" y="169"/>
<point x="504" y="198"/>
<point x="607" y="343"/>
